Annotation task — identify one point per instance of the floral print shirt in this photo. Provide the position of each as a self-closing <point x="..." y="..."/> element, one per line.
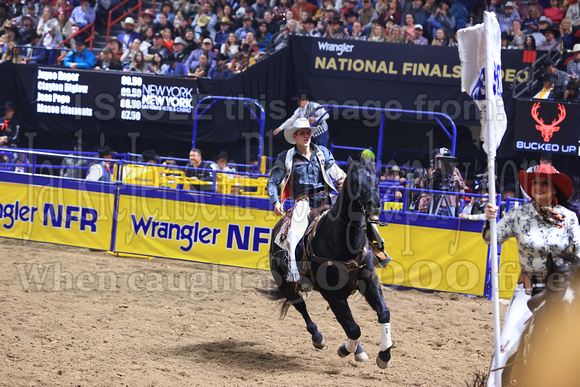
<point x="536" y="238"/>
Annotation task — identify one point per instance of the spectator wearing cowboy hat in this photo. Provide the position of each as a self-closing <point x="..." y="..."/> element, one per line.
<point x="11" y="33"/>
<point x="334" y="29"/>
<point x="101" y="171"/>
<point x="562" y="77"/>
<point x="51" y="37"/>
<point x="312" y="112"/>
<point x="543" y="24"/>
<point x="551" y="43"/>
<point x="80" y="57"/>
<point x="127" y="37"/>
<point x="145" y="20"/>
<point x="27" y="29"/>
<point x="225" y="29"/>
<point x="179" y="49"/>
<point x="309" y="28"/>
<point x="549" y="90"/>
<point x="33" y="54"/>
<point x="175" y="67"/>
<point x="573" y="67"/>
<point x="549" y="223"/>
<point x="220" y="70"/>
<point x="351" y="16"/>
<point x="150" y="157"/>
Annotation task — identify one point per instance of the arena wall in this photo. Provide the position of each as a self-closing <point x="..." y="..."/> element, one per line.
<point x="428" y="253"/>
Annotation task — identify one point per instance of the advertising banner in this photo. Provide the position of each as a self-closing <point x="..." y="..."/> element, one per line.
<point x="434" y="259"/>
<point x="397" y="62"/>
<point x="57" y="215"/>
<point x="202" y="232"/>
<point x="544" y="125"/>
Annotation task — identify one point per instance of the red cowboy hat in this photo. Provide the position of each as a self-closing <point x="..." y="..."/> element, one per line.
<point x="561" y="181"/>
<point x="149" y="12"/>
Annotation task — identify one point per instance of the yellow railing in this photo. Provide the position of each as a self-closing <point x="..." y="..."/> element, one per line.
<point x="158" y="176"/>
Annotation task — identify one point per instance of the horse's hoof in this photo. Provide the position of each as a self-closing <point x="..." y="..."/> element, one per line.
<point x="382" y="364"/>
<point x="342" y="352"/>
<point x="384" y="358"/>
<point x="320" y="345"/>
<point x="360" y="355"/>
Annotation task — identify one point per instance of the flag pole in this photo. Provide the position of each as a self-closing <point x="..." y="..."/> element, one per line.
<point x="492" y="112"/>
<point x="480" y="56"/>
<point x="494" y="271"/>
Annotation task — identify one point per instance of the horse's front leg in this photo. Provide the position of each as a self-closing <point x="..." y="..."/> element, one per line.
<point x="370" y="287"/>
<point x="343" y="314"/>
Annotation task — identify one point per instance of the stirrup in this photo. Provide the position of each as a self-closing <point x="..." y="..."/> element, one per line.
<point x="382" y="259"/>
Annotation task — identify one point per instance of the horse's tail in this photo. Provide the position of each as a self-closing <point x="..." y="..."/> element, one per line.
<point x="275" y="294"/>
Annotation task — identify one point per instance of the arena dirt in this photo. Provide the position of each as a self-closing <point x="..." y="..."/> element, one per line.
<point x="70" y="316"/>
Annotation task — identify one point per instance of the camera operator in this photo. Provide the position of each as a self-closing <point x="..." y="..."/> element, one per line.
<point x="437" y="179"/>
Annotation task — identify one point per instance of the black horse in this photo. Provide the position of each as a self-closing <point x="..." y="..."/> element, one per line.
<point x="550" y="345"/>
<point x="339" y="261"/>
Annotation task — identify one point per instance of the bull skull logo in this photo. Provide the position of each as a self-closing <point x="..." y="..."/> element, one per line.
<point x="548" y="130"/>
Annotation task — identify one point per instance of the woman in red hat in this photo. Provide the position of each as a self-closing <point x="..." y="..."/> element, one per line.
<point x="547" y="224"/>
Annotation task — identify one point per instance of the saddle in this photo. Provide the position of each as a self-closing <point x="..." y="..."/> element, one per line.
<point x="351" y="267"/>
<point x="281" y="232"/>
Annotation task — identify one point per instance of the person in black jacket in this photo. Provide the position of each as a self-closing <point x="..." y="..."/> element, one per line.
<point x="549" y="89"/>
<point x="199" y="170"/>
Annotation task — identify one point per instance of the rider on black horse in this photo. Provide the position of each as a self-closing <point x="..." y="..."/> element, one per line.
<point x="307" y="179"/>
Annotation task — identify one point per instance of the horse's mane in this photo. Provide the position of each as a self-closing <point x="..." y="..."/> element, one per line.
<point x="364" y="163"/>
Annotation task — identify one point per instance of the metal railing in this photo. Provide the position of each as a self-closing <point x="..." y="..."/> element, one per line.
<point x="128" y="12"/>
<point x="436" y="116"/>
<point x="246" y="101"/>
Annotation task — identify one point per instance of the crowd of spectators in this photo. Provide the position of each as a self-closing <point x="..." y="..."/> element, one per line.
<point x="185" y="37"/>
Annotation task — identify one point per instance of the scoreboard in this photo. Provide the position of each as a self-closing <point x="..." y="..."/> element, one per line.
<point x="107" y="95"/>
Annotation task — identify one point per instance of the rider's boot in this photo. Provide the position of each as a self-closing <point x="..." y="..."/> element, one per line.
<point x="377" y="243"/>
<point x="382" y="259"/>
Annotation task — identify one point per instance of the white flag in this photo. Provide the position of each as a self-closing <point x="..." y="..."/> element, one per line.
<point x="480" y="55"/>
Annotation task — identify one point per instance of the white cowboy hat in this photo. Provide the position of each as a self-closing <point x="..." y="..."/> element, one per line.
<point x="300" y="123"/>
<point x="128" y="20"/>
<point x="576" y="48"/>
<point x="50" y="25"/>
